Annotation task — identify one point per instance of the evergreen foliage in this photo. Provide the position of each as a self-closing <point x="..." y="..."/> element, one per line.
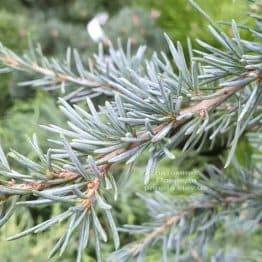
<point x="23" y="120"/>
<point x="57" y="25"/>
<point x="11" y="33"/>
<point x="172" y="12"/>
<point x="157" y="105"/>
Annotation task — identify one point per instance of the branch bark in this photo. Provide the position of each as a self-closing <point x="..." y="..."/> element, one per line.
<point x="199" y="108"/>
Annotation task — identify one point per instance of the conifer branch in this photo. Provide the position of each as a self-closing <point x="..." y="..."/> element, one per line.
<point x="182" y="225"/>
<point x="157" y="105"/>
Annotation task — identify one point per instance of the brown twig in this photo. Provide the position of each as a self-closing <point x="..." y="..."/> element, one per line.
<point x="170" y="221"/>
<point x="59" y="78"/>
<point x="91" y="189"/>
<point x="199" y="108"/>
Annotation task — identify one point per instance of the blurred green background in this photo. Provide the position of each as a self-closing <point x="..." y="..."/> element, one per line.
<point x="56" y="24"/>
